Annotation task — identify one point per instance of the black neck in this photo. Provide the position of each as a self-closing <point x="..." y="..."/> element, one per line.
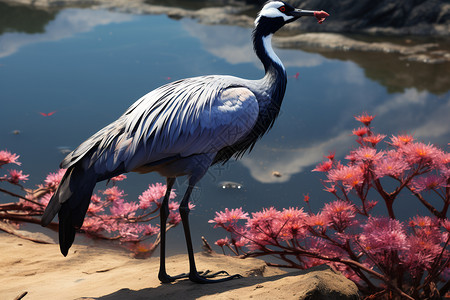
<point x="275" y="79"/>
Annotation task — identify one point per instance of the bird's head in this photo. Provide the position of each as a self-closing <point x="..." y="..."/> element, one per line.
<point x="275" y="14"/>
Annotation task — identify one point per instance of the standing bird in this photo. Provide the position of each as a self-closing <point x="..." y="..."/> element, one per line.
<point x="181" y="128"/>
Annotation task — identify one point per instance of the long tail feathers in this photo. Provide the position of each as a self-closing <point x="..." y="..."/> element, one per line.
<point x="59" y="197"/>
<point x="70" y="201"/>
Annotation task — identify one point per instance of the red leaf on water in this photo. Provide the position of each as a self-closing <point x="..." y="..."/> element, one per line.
<point x="47" y="114"/>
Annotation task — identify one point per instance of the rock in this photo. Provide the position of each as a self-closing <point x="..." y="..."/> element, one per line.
<point x="401" y="17"/>
<point x="322" y="282"/>
<point x="334" y="41"/>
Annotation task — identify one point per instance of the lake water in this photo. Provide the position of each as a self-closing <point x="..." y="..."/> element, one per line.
<point x="89" y="65"/>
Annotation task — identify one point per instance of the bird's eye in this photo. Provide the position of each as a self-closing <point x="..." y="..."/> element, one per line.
<point x="282" y="9"/>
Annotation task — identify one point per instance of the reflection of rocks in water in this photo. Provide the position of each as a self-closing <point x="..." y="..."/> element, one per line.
<point x="395" y="65"/>
<point x="397" y="75"/>
<point x="230" y="185"/>
<point x="18" y="18"/>
<point x="64" y="150"/>
<point x="192" y="4"/>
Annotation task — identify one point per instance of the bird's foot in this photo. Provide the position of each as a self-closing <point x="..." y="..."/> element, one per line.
<point x="203" y="277"/>
<point x="164" y="278"/>
<point x="198" y="277"/>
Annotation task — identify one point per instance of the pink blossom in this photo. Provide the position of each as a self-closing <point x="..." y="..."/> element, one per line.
<point x="15" y="177"/>
<point x="292" y="223"/>
<point x="265" y="227"/>
<point x="446" y="224"/>
<point x="95" y="208"/>
<point x="44" y="200"/>
<point x="263" y="218"/>
<point x="442" y="162"/>
<point x="429" y="182"/>
<point x="423" y="221"/>
<point x="174" y="218"/>
<point x="361" y="131"/>
<point x="365" y="154"/>
<point x="92" y="224"/>
<point x="383" y="234"/>
<point x="130" y="232"/>
<point x="390" y="166"/>
<point x="364" y="118"/>
<point x="173" y="205"/>
<point x="306" y="198"/>
<point x="174" y="215"/>
<point x="240" y="242"/>
<point x="53" y="179"/>
<point x="331" y="155"/>
<point x="323" y="166"/>
<point x="401" y="140"/>
<point x="113" y="194"/>
<point x="150" y="230"/>
<point x="222" y="242"/>
<point x="318" y="220"/>
<point x="120" y="177"/>
<point x="374" y="139"/>
<point x="229" y="216"/>
<point x="30" y="205"/>
<point x="420" y="152"/>
<point x="370" y="205"/>
<point x="7" y="157"/>
<point x="96" y="199"/>
<point x="350" y="176"/>
<point x="331" y="189"/>
<point x="340" y="214"/>
<point x="123" y="209"/>
<point x="424" y="246"/>
<point x="154" y="194"/>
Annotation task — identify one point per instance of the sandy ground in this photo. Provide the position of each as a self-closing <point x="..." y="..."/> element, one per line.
<point x="89" y="272"/>
<point x="96" y="273"/>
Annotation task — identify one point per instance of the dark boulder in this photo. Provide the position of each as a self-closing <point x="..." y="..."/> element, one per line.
<point x="410" y="17"/>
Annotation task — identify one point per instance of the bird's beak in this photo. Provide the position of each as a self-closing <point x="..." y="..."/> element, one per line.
<point x="320" y="15"/>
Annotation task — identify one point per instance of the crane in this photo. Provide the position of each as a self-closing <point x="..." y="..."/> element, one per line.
<point x="179" y="129"/>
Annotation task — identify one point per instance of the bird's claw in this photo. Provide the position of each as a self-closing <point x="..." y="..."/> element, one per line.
<point x="206" y="274"/>
<point x="164" y="278"/>
<point x="204" y="278"/>
<point x="198" y="277"/>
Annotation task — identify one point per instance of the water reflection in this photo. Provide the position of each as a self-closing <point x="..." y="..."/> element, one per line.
<point x="45" y="26"/>
<point x="233" y="44"/>
<point x="95" y="82"/>
<point x="406" y="105"/>
<point x="20" y="18"/>
<point x="396" y="74"/>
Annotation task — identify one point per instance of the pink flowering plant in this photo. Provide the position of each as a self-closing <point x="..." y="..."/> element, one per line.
<point x="110" y="216"/>
<point x="387" y="258"/>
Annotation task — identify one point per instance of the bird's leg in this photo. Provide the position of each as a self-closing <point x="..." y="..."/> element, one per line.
<point x="164" y="214"/>
<point x="193" y="273"/>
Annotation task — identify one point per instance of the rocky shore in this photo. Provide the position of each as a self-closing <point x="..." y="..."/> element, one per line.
<point x="428" y="18"/>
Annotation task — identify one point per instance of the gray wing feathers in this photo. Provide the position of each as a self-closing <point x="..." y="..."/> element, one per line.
<point x="195" y="115"/>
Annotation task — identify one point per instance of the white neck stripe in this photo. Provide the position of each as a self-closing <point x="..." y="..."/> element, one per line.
<point x="267" y="42"/>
